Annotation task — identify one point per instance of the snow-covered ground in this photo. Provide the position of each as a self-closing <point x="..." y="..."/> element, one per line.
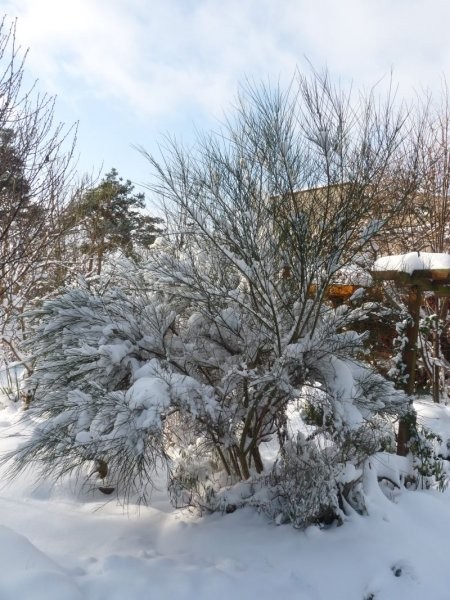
<point x="62" y="544"/>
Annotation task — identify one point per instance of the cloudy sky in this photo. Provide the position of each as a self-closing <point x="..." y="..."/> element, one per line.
<point x="131" y="70"/>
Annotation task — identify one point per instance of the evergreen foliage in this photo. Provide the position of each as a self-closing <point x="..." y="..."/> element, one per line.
<point x="110" y="217"/>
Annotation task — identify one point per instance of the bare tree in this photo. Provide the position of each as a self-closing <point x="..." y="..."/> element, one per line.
<point x="290" y="192"/>
<point x="431" y="212"/>
<point x="35" y="168"/>
<point x="423" y="225"/>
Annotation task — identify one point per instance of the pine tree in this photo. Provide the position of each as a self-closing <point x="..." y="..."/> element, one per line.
<point x="109" y="217"/>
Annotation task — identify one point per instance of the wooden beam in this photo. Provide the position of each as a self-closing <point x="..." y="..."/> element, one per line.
<point x="435" y="280"/>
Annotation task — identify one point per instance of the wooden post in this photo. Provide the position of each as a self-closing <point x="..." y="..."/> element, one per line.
<point x="441" y="309"/>
<point x="410" y="359"/>
<point x="412" y="333"/>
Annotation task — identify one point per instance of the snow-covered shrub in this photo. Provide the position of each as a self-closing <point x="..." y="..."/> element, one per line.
<point x="90" y="399"/>
<point x="124" y="378"/>
<point x="229" y="325"/>
<point x="305" y="485"/>
<point x="429" y="469"/>
<point x="195" y="479"/>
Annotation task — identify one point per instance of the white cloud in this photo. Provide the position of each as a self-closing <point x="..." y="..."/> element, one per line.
<point x="161" y="55"/>
<point x="156" y="56"/>
<point x="129" y="69"/>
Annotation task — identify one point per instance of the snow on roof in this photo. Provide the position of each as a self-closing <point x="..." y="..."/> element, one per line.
<point x="413" y="261"/>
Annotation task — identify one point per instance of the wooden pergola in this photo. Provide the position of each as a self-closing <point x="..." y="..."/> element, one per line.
<point x="414" y="284"/>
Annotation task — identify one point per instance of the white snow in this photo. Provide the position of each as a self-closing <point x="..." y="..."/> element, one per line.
<point x="413" y="261"/>
<point x="148" y="392"/>
<point x="72" y="543"/>
<point x="353" y="275"/>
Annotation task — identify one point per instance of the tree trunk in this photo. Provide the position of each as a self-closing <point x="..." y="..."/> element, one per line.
<point x="259" y="466"/>
<point x="243" y="464"/>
